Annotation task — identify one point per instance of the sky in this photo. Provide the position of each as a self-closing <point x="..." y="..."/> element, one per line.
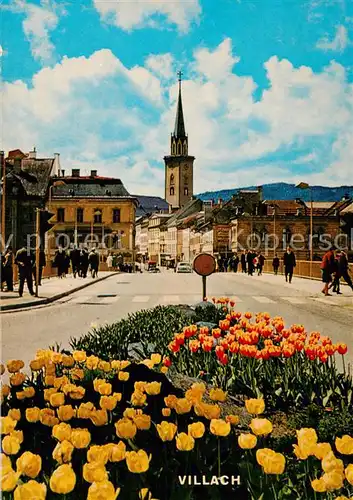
<point x="267" y="87"/>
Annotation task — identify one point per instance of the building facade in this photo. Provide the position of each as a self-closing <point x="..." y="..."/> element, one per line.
<point x="92" y="211"/>
<point x="179" y="165"/>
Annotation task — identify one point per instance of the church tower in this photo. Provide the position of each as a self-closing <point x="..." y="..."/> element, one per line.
<point x="179" y="166"/>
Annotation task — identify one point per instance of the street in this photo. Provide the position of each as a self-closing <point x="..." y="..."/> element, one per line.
<point x="23" y="332"/>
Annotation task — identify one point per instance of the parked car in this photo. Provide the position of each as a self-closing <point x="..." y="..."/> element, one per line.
<point x="184" y="267"/>
<point x="153" y="268"/>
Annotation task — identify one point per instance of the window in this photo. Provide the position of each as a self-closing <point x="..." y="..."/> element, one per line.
<point x="116" y="215"/>
<point x="79" y="215"/>
<point x="97" y="216"/>
<point x="171" y="191"/>
<point x="172" y="179"/>
<point x="60" y="215"/>
<point x="186" y="191"/>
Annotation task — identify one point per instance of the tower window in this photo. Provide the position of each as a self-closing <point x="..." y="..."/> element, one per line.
<point x="97" y="217"/>
<point x="172" y="179"/>
<point x="186" y="191"/>
<point x="179" y="149"/>
<point x="173" y="149"/>
<point x="79" y="215"/>
<point x="171" y="191"/>
<point x="60" y="215"/>
<point x="116" y="215"/>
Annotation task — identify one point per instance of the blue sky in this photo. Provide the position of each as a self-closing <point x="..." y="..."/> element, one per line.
<point x="268" y="87"/>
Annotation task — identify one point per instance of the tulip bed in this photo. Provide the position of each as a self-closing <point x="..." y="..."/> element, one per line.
<point x="82" y="427"/>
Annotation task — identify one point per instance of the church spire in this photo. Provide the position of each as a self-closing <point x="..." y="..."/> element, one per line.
<point x="179" y="129"/>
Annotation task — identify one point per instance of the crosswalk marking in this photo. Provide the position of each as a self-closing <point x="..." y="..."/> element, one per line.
<point x="170" y="299"/>
<point x="295" y="300"/>
<point x="141" y="298"/>
<point x="109" y="300"/>
<point x="263" y="300"/>
<point x="80" y="299"/>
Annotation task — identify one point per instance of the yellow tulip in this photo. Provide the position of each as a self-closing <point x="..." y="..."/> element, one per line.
<point x="118" y="452"/>
<point x="196" y="430"/>
<point x="166" y="412"/>
<point x="123" y="376"/>
<point x="94" y="472"/>
<point x="92" y="362"/>
<point x="211" y="412"/>
<point x="14" y="365"/>
<point x="5" y="390"/>
<point x="142" y="422"/>
<point x="99" y="454"/>
<point x="199" y="387"/>
<point x="330" y="463"/>
<point x="80" y="438"/>
<point x="153" y="388"/>
<point x="125" y="429"/>
<point x="77" y="374"/>
<point x="333" y="480"/>
<point x="182" y="406"/>
<point x="164" y="369"/>
<point x="274" y="464"/>
<point x="218" y="395"/>
<point x="184" y="442"/>
<point x="49" y="392"/>
<point x="247" y="441"/>
<point x="104" y="366"/>
<point x="32" y="414"/>
<point x="47" y="417"/>
<point x="99" y="417"/>
<point x="57" y="399"/>
<point x="63" y="452"/>
<point x="29" y="464"/>
<point x="66" y="413"/>
<point x="17" y="379"/>
<point x="306" y="437"/>
<point x="156" y="358"/>
<point x="138" y="398"/>
<point x="303" y="454"/>
<point x="103" y="490"/>
<point x="37" y="364"/>
<point x="9" y="480"/>
<point x="321" y="450"/>
<point x="344" y="445"/>
<point x="105" y="389"/>
<point x="108" y="402"/>
<point x="263" y="454"/>
<point x="261" y="426"/>
<point x="140" y="386"/>
<point x="220" y="427"/>
<point x="349" y="473"/>
<point x="7" y="424"/>
<point x="318" y="485"/>
<point x="166" y="431"/>
<point x="85" y="410"/>
<point x="11" y="445"/>
<point x="5" y="463"/>
<point x="170" y="401"/>
<point x="62" y="432"/>
<point x="49" y="380"/>
<point x="130" y="413"/>
<point x="79" y="356"/>
<point x="233" y="419"/>
<point x="137" y="462"/>
<point x="56" y="357"/>
<point x="63" y="479"/>
<point x="255" y="406"/>
<point x="60" y="382"/>
<point x="68" y="361"/>
<point x="31" y="491"/>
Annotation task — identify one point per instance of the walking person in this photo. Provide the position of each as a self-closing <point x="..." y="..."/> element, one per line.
<point x="110" y="262"/>
<point x="275" y="264"/>
<point x="25" y="260"/>
<point x="250" y="262"/>
<point x="7" y="269"/>
<point x="260" y="263"/>
<point x="243" y="261"/>
<point x="235" y="263"/>
<point x="289" y="264"/>
<point x="343" y="267"/>
<point x="75" y="260"/>
<point x="83" y="266"/>
<point x="336" y="282"/>
<point x="115" y="262"/>
<point x="327" y="268"/>
<point x="42" y="264"/>
<point x="93" y="261"/>
<point x="60" y="262"/>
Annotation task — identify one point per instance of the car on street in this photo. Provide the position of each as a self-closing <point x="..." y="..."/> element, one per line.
<point x="184" y="267"/>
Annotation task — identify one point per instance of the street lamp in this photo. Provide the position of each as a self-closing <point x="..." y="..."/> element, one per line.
<point x="305" y="185"/>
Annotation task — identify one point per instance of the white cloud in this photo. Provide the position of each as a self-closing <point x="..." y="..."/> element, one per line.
<point x="338" y="44"/>
<point x="40" y="20"/>
<point x="161" y="65"/>
<point x="101" y="114"/>
<point x="132" y="14"/>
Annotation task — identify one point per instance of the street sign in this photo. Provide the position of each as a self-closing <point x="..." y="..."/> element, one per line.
<point x="204" y="265"/>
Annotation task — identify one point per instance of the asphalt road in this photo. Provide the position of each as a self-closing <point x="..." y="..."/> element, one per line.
<point x="23" y="332"/>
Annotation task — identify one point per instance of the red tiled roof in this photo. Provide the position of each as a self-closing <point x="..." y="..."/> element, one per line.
<point x="15" y="153"/>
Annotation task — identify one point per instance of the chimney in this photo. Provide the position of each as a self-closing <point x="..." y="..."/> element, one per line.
<point x="32" y="155"/>
<point x="2" y="162"/>
<point x="62" y="173"/>
<point x="93" y="173"/>
<point x="75" y="172"/>
<point x="56" y="166"/>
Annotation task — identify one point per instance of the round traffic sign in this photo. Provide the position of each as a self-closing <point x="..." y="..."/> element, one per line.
<point x="204" y="264"/>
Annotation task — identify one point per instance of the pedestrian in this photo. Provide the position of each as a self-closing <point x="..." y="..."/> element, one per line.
<point x="260" y="263"/>
<point x="60" y="262"/>
<point x="75" y="260"/>
<point x="110" y="262"/>
<point x="235" y="263"/>
<point x="115" y="262"/>
<point x="250" y="262"/>
<point x="327" y="268"/>
<point x="7" y="269"/>
<point x="42" y="264"/>
<point x="243" y="261"/>
<point x="335" y="285"/>
<point x="83" y="266"/>
<point x="289" y="263"/>
<point x="344" y="268"/>
<point x="25" y="260"/>
<point x="93" y="260"/>
<point x="275" y="264"/>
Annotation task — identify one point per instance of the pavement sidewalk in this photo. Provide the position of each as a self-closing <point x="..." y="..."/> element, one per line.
<point x="51" y="289"/>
